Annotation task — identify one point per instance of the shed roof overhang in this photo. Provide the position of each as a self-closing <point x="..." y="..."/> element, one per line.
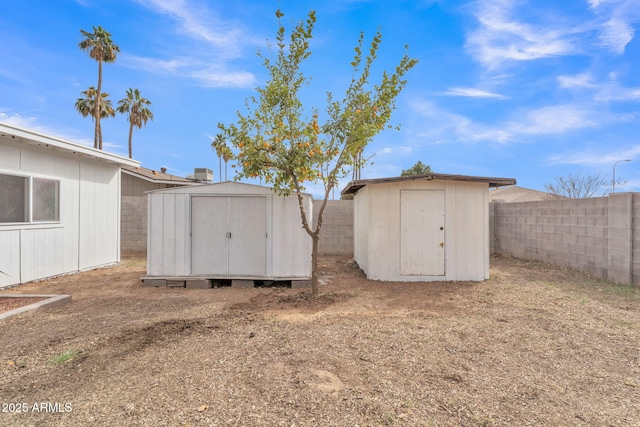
<point x="354" y="186"/>
<point x="28" y="137"/>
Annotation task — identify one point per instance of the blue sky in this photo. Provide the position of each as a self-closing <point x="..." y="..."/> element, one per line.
<point x="530" y="90"/>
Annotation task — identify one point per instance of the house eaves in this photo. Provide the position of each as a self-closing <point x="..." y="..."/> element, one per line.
<point x="28" y="137"/>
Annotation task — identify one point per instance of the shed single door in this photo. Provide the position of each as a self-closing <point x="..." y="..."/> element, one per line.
<point x="422" y="233"/>
<point x="229" y="235"/>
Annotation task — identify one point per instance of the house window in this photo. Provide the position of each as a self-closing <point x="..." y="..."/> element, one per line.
<point x="24" y="199"/>
<point x="46" y="200"/>
<point x="14" y="203"/>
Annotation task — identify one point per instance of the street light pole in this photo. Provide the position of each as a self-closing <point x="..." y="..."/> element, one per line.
<point x="613" y="181"/>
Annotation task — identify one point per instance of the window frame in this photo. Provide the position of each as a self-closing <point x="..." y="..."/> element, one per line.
<point x="29" y="201"/>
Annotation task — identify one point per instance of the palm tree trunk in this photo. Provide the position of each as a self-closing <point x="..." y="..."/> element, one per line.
<point x="98" y="132"/>
<point x="131" y="140"/>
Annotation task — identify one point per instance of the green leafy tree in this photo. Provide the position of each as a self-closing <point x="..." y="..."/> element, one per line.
<point x="279" y="141"/>
<point x="417" y="169"/>
<point x="137" y="110"/>
<point x="87" y="104"/>
<point x="101" y="48"/>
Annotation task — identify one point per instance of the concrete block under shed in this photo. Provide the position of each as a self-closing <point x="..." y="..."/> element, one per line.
<point x="236" y="283"/>
<point x="300" y="284"/>
<point x="175" y="283"/>
<point x="199" y="284"/>
<point x="155" y="282"/>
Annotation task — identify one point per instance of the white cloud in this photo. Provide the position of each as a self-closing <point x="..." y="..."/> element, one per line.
<point x="18" y="120"/>
<point x="579" y="80"/>
<point x="440" y="122"/>
<point x="216" y="78"/>
<point x="194" y="68"/>
<point x="198" y="22"/>
<point x="556" y="120"/>
<point x="440" y="125"/>
<point x="209" y="40"/>
<point x="500" y="37"/>
<point x="606" y="91"/>
<point x="472" y="93"/>
<point x="615" y="34"/>
<point x="385" y="150"/>
<point x="594" y="157"/>
<point x="616" y="19"/>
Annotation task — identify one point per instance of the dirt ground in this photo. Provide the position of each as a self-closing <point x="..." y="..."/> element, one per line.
<point x="535" y="345"/>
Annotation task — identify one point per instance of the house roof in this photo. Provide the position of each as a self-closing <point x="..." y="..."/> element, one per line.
<point x="37" y="139"/>
<point x="354" y="186"/>
<point x="157" y="177"/>
<point x="514" y="194"/>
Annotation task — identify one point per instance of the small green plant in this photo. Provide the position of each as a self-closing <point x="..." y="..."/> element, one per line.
<point x="65" y="356"/>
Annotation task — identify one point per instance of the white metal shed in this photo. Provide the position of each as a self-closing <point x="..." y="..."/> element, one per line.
<point x="428" y="227"/>
<point x="226" y="230"/>
<point x="59" y="206"/>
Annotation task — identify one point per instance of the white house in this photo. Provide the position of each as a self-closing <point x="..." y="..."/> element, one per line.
<point x="59" y="206"/>
<point x="428" y="227"/>
<point x="226" y="230"/>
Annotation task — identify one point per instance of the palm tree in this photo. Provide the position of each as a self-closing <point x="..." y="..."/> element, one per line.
<point x="226" y="156"/>
<point x="136" y="107"/>
<point x="219" y="145"/>
<point x="100" y="47"/>
<point x="86" y="106"/>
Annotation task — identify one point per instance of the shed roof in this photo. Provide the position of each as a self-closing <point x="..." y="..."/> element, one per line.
<point x="354" y="186"/>
<point x="158" y="177"/>
<point x="227" y="187"/>
<point x="29" y="137"/>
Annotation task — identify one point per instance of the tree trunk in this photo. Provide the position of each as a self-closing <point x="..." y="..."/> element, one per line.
<point x="97" y="138"/>
<point x="314" y="265"/>
<point x="131" y="141"/>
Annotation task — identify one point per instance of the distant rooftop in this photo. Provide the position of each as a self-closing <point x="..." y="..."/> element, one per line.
<point x="515" y="194"/>
<point x="160" y="177"/>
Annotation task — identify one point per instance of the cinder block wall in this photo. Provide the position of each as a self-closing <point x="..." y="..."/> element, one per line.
<point x="595" y="236"/>
<point x="133" y="213"/>
<point x="336" y="234"/>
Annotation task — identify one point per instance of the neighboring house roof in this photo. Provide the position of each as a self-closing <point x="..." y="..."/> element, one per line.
<point x="354" y="186"/>
<point x="514" y="194"/>
<point x="29" y="137"/>
<point x="157" y="177"/>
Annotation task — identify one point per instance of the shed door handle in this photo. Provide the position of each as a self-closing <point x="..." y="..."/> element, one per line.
<point x="228" y="234"/>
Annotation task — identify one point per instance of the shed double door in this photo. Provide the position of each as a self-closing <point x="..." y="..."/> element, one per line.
<point x="229" y="235"/>
<point x="422" y="233"/>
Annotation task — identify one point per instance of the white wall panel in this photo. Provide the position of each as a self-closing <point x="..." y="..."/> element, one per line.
<point x="9" y="257"/>
<point x="99" y="215"/>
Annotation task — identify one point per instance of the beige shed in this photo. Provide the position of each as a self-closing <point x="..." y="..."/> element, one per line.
<point x="427" y="227"/>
